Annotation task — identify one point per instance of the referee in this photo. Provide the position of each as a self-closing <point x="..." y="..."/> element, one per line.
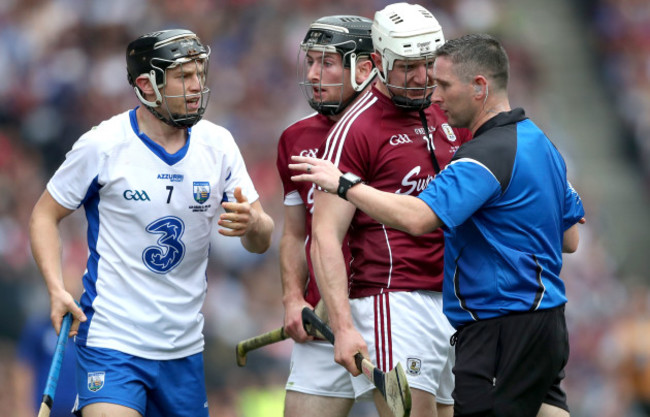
<point x="508" y="213"/>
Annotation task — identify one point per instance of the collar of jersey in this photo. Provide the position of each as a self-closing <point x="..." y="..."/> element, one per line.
<point x="170" y="159"/>
<point x="515" y="115"/>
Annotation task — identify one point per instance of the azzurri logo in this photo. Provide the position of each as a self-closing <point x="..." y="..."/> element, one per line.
<point x="136" y="195"/>
<point x="171" y="177"/>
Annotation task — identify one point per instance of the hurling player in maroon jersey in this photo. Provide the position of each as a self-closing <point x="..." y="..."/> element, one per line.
<point x="394" y="140"/>
<point x="334" y="68"/>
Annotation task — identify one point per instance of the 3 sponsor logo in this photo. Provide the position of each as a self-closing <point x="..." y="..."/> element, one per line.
<point x="169" y="249"/>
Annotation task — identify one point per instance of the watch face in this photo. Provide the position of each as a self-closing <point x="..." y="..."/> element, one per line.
<point x="351" y="177"/>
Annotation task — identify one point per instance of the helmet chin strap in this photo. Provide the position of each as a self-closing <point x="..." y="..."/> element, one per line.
<point x="332" y="109"/>
<point x="183" y="122"/>
<point x="409" y="104"/>
<point x="429" y="138"/>
<point x="388" y="59"/>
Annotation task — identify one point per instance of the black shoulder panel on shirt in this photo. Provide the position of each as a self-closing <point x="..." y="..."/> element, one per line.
<point x="496" y="149"/>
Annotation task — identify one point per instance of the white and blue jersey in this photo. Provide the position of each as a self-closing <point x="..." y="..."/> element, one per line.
<point x="150" y="217"/>
<point x="505" y="202"/>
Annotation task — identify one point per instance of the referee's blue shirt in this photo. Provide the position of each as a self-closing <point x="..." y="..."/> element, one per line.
<point x="505" y="202"/>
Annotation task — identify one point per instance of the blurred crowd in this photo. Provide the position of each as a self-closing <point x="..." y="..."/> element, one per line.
<point x="64" y="71"/>
<point x="620" y="32"/>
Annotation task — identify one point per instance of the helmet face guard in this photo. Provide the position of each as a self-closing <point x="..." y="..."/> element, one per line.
<point x="403" y="92"/>
<point x="410" y="34"/>
<point x="345" y="36"/>
<point x="198" y="66"/>
<point x="328" y="62"/>
<point x="153" y="55"/>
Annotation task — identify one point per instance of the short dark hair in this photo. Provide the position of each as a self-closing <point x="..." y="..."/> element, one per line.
<point x="478" y="54"/>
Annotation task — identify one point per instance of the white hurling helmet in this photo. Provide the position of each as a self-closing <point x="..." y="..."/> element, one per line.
<point x="405" y="31"/>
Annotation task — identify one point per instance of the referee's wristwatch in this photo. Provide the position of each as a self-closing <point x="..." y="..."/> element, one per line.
<point x="347" y="181"/>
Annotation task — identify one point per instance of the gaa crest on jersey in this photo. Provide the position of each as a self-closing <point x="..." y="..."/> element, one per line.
<point x="201" y="191"/>
<point x="96" y="380"/>
<point x="413" y="366"/>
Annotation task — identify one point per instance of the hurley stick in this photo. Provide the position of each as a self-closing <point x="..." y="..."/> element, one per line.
<point x="273" y="336"/>
<point x="55" y="368"/>
<point x="392" y="385"/>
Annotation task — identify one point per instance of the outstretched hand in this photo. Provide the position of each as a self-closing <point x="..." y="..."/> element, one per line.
<point x="319" y="171"/>
<point x="239" y="217"/>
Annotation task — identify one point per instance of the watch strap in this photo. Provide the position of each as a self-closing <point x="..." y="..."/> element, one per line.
<point x="347" y="181"/>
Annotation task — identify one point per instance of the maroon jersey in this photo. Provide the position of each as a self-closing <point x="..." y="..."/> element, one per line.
<point x="387" y="148"/>
<point x="303" y="138"/>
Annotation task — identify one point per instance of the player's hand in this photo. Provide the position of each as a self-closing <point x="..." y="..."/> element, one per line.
<point x="61" y="303"/>
<point x="239" y="216"/>
<point x="348" y="343"/>
<point x="293" y="321"/>
<point x="319" y="171"/>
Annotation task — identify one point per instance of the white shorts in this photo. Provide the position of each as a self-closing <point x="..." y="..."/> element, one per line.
<point x="313" y="371"/>
<point x="408" y="327"/>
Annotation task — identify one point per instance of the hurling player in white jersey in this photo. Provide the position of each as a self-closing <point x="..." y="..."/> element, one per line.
<point x="153" y="181"/>
<point x="335" y="68"/>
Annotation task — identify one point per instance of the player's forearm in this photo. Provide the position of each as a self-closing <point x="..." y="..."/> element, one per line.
<point x="403" y="212"/>
<point x="331" y="275"/>
<point x="293" y="269"/>
<point x="46" y="249"/>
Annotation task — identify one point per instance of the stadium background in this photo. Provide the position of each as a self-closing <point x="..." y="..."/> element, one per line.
<point x="580" y="68"/>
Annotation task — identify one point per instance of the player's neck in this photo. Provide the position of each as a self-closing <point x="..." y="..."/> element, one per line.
<point x="339" y="116"/>
<point x="170" y="138"/>
<point x="383" y="88"/>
